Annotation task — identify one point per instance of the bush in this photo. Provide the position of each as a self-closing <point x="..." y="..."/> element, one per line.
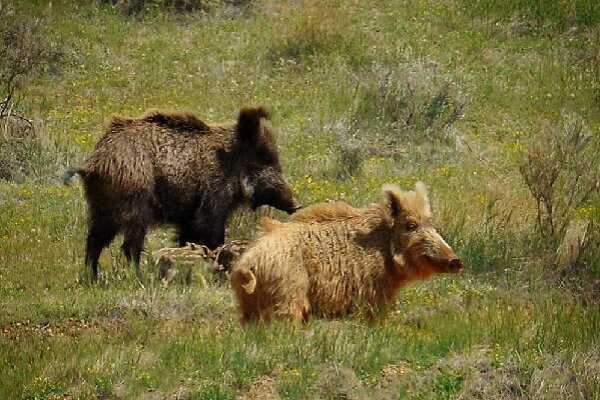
<point x="414" y="102"/>
<point x="23" y="53"/>
<point x="412" y="105"/>
<point x="562" y="173"/>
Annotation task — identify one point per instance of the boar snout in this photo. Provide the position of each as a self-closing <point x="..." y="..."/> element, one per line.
<point x="283" y="199"/>
<point x="455" y="264"/>
<point x="444" y="264"/>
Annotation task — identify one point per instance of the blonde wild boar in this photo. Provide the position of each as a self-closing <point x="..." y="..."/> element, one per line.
<point x="332" y="258"/>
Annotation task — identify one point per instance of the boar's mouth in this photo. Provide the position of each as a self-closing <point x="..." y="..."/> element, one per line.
<point x="290" y="209"/>
<point x="294" y="208"/>
<point x="443" y="265"/>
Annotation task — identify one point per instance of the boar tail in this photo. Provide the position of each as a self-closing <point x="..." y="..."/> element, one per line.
<point x="70" y="175"/>
<point x="243" y="279"/>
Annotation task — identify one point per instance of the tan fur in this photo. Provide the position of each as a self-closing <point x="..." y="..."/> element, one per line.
<point x="325" y="212"/>
<point x="244" y="280"/>
<point x="331" y="259"/>
<point x="268" y="225"/>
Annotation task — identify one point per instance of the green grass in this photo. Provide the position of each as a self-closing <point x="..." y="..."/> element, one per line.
<point x="504" y="326"/>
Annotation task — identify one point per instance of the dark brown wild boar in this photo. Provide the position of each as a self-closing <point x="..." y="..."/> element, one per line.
<point x="332" y="258"/>
<point x="172" y="168"/>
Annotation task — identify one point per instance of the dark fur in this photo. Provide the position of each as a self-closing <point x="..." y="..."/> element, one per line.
<point x="172" y="168"/>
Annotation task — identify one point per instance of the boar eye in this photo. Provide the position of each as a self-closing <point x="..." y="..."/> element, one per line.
<point x="411" y="225"/>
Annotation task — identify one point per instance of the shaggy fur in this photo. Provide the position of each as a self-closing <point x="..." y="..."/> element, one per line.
<point x="172" y="168"/>
<point x="332" y="258"/>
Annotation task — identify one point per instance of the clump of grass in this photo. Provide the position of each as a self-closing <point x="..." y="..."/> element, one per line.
<point x="312" y="35"/>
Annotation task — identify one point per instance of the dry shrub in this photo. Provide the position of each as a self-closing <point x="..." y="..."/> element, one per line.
<point x="561" y="377"/>
<point x="414" y="102"/>
<point x="408" y="105"/>
<point x="23" y="149"/>
<point x="23" y="53"/>
<point x="577" y="241"/>
<point x="478" y="375"/>
<point x="562" y="172"/>
<point x="355" y="145"/>
<point x="340" y="382"/>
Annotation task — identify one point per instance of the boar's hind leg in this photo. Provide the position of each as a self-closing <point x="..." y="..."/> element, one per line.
<point x="99" y="236"/>
<point x="133" y="245"/>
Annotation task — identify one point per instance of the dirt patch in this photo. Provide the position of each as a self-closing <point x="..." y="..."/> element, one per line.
<point x="263" y="387"/>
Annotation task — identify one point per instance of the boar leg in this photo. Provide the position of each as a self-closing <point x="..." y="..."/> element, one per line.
<point x="133" y="245"/>
<point x="99" y="236"/>
<point x="210" y="233"/>
<point x="295" y="310"/>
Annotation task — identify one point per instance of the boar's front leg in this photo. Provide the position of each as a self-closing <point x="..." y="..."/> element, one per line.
<point x="204" y="229"/>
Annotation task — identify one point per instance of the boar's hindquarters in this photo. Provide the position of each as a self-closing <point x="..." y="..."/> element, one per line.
<point x="109" y="216"/>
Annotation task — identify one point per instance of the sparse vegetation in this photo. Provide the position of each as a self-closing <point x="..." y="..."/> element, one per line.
<point x="493" y="104"/>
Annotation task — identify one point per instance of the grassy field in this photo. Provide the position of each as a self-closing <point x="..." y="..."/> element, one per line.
<point x="454" y="93"/>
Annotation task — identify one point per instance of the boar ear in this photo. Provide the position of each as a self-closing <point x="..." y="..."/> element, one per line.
<point x="392" y="198"/>
<point x="248" y="124"/>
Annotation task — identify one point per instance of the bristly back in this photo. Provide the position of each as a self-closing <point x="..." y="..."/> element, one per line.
<point x="183" y="121"/>
<point x="179" y="121"/>
<point x="324" y="212"/>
